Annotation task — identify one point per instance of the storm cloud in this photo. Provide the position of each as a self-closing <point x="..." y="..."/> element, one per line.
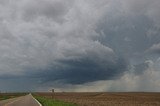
<point x="78" y="43"/>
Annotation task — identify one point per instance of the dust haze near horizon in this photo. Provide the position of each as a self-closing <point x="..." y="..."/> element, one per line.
<point x="80" y="45"/>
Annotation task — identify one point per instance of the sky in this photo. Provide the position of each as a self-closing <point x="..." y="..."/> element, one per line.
<point x="80" y="45"/>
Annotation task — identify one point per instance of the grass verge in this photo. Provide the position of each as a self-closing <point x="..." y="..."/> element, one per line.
<point x="51" y="102"/>
<point x="4" y="96"/>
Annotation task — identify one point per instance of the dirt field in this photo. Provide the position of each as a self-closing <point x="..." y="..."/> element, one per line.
<point x="108" y="99"/>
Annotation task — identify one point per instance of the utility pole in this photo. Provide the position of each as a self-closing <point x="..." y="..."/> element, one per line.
<point x="52" y="93"/>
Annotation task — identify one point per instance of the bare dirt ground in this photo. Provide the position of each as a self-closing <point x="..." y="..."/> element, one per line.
<point x="108" y="99"/>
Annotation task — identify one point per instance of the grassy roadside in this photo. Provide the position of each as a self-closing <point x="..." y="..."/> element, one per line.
<point x="4" y="96"/>
<point x="50" y="102"/>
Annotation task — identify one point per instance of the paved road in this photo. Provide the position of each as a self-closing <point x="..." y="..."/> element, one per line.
<point x="27" y="100"/>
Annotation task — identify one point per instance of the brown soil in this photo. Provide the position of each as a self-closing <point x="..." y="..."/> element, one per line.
<point x="108" y="99"/>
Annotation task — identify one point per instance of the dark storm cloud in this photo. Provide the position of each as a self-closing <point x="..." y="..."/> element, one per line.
<point x="154" y="49"/>
<point x="127" y="34"/>
<point x="86" y="70"/>
<point x="140" y="68"/>
<point x="96" y="63"/>
<point x="77" y="41"/>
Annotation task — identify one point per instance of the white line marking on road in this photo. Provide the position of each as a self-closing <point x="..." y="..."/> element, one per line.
<point x="36" y="100"/>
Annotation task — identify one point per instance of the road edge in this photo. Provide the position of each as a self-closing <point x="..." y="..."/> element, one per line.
<point x="36" y="100"/>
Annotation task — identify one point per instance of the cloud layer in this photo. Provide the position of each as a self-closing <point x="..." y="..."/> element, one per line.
<point x="78" y="42"/>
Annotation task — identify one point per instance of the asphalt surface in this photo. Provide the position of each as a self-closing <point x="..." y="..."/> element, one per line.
<point x="27" y="100"/>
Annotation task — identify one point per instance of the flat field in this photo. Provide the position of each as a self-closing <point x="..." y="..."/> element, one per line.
<point x="107" y="98"/>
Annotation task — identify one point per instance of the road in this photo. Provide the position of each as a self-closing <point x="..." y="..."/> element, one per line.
<point x="27" y="100"/>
